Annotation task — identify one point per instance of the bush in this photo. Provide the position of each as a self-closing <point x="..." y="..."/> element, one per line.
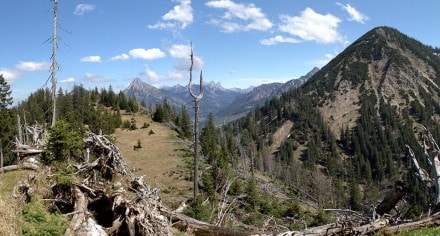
<point x="126" y="124"/>
<point x="198" y="210"/>
<point x="145" y="126"/>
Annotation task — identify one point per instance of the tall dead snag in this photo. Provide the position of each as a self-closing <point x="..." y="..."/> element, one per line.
<point x="196" y="99"/>
<point x="54" y="66"/>
<point x="432" y="153"/>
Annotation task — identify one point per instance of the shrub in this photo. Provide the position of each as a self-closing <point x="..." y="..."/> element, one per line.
<point x="198" y="210"/>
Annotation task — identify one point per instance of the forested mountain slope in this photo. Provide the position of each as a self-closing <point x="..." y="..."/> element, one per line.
<point x="351" y="122"/>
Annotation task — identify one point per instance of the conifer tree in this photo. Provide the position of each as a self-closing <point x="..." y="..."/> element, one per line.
<point x="7" y="127"/>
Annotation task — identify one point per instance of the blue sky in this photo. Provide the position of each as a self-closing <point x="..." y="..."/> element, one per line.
<point x="238" y="43"/>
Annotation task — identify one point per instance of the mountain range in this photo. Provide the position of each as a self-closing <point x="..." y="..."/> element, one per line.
<point x="226" y="104"/>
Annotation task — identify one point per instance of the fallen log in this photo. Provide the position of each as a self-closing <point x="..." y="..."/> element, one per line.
<point x="430" y="221"/>
<point x="196" y="227"/>
<point x="80" y="209"/>
<point x="23" y="166"/>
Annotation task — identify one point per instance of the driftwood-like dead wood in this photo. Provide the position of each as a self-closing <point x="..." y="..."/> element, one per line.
<point x="340" y="229"/>
<point x="432" y="155"/>
<point x="110" y="159"/>
<point x="80" y="209"/>
<point x="196" y="227"/>
<point x="23" y="166"/>
<point x="431" y="221"/>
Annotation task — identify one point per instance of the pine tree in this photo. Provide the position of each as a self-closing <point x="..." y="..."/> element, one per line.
<point x="64" y="142"/>
<point x="185" y="123"/>
<point x="7" y="127"/>
<point x="5" y="94"/>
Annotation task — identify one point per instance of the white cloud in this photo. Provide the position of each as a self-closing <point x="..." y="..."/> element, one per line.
<point x="68" y="80"/>
<point x="239" y="17"/>
<point x="178" y="75"/>
<point x="312" y="26"/>
<point x="181" y="53"/>
<point x="33" y="66"/>
<point x="94" y="78"/>
<point x="91" y="59"/>
<point x="279" y="39"/>
<point x="81" y="9"/>
<point x="177" y="18"/>
<point x="354" y="14"/>
<point x="151" y="77"/>
<point x="122" y="56"/>
<point x="146" y="54"/>
<point x="140" y="53"/>
<point x="9" y="75"/>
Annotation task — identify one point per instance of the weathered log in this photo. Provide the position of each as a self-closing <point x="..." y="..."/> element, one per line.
<point x="431" y="221"/>
<point x="340" y="229"/>
<point x="80" y="209"/>
<point x="196" y="227"/>
<point x="23" y="166"/>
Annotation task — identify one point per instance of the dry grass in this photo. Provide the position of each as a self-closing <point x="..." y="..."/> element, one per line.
<point x="160" y="160"/>
<point x="11" y="208"/>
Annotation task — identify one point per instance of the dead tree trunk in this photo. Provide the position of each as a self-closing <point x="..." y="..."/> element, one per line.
<point x="433" y="220"/>
<point x="24" y="166"/>
<point x="80" y="209"/>
<point x="54" y="66"/>
<point x="196" y="99"/>
<point x="432" y="153"/>
<point x="391" y="199"/>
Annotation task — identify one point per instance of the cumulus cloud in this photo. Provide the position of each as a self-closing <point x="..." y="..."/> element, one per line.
<point x="91" y="59"/>
<point x="94" y="78"/>
<point x="177" y="75"/>
<point x="33" y="66"/>
<point x="82" y="9"/>
<point x="122" y="56"/>
<point x="177" y="18"/>
<point x="279" y="39"/>
<point x="354" y="14"/>
<point x="140" y="53"/>
<point x="68" y="80"/>
<point x="151" y="77"/>
<point x="182" y="52"/>
<point x="239" y="17"/>
<point x="9" y="75"/>
<point x="146" y="54"/>
<point x="312" y="26"/>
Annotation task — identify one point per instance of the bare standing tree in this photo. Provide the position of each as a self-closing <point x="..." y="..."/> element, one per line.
<point x="196" y="99"/>
<point x="54" y="66"/>
<point x="432" y="154"/>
